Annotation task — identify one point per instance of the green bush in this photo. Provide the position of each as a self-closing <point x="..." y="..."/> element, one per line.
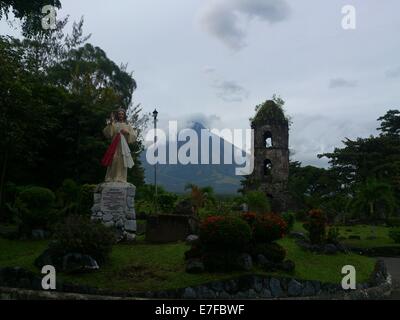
<point x="274" y="252"/>
<point x="394" y="233"/>
<point x="257" y="201"/>
<point x="67" y="197"/>
<point x="290" y="219"/>
<point x="167" y="201"/>
<point x="393" y="222"/>
<point x="35" y="209"/>
<point x="85" y="201"/>
<point x="268" y="228"/>
<point x="221" y="260"/>
<point x="333" y="235"/>
<point x="316" y="226"/>
<point x="78" y="234"/>
<point x="225" y="232"/>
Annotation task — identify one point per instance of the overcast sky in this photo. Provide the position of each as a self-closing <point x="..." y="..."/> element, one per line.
<point x="215" y="60"/>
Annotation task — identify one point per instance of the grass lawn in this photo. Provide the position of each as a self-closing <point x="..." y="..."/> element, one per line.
<point x="364" y="232"/>
<point x="156" y="267"/>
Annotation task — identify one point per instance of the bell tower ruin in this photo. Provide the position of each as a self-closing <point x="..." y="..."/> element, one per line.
<point x="271" y="154"/>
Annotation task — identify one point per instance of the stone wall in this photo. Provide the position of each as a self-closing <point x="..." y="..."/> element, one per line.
<point x="245" y="287"/>
<point x="113" y="205"/>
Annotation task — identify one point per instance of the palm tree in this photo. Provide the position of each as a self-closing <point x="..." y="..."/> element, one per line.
<point x="371" y="193"/>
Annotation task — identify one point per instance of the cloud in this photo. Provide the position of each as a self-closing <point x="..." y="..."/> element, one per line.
<point x="223" y="18"/>
<point x="311" y="135"/>
<point x="208" y="69"/>
<point x="342" y="83"/>
<point x="394" y="73"/>
<point x="230" y="91"/>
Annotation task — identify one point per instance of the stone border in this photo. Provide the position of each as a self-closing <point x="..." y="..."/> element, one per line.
<point x="244" y="287"/>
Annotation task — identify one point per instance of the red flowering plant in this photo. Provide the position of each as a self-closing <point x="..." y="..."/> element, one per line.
<point x="224" y="232"/>
<point x="250" y="218"/>
<point x="316" y="226"/>
<point x="268" y="228"/>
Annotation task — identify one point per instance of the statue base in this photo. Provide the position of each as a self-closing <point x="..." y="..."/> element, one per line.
<point x="114" y="207"/>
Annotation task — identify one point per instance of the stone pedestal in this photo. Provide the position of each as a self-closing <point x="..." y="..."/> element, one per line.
<point x="114" y="207"/>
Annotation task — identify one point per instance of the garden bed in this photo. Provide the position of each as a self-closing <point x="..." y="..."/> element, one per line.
<point x="146" y="267"/>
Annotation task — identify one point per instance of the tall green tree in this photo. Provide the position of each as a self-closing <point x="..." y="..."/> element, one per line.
<point x="371" y="194"/>
<point x="28" y="12"/>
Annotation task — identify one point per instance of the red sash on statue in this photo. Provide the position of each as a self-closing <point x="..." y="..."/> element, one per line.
<point x="109" y="155"/>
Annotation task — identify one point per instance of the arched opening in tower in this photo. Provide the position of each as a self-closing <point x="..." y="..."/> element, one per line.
<point x="267" y="167"/>
<point x="268" y="139"/>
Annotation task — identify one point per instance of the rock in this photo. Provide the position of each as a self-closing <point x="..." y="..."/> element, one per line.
<point x="107" y="217"/>
<point x="119" y="224"/>
<point x="245" y="262"/>
<point x="46" y="258"/>
<point x="251" y="294"/>
<point x="217" y="286"/>
<point x="317" y="286"/>
<point x="288" y="266"/>
<point x="224" y="295"/>
<point x="297" y="235"/>
<point x="189" y="293"/>
<point x="76" y="262"/>
<point x="130" y="225"/>
<point x="192" y="239"/>
<point x="276" y="288"/>
<point x="330" y="249"/>
<point x="194" y="266"/>
<point x="231" y="286"/>
<point x="129" y="237"/>
<point x="38" y="234"/>
<point x="308" y="290"/>
<point x="380" y="273"/>
<point x="96" y="208"/>
<point x="257" y="284"/>
<point x="205" y="293"/>
<point x="265" y="293"/>
<point x="295" y="288"/>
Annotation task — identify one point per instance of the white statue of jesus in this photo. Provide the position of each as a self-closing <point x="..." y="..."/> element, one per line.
<point x="118" y="157"/>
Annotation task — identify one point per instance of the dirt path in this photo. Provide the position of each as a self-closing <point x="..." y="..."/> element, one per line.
<point x="393" y="266"/>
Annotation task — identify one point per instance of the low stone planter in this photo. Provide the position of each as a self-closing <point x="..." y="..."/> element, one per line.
<point x="165" y="228"/>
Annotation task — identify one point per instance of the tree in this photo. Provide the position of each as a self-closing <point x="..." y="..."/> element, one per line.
<point x="373" y="157"/>
<point x="28" y="12"/>
<point x="371" y="194"/>
<point x="390" y="123"/>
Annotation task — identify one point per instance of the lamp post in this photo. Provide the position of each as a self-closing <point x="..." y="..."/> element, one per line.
<point x="155" y="114"/>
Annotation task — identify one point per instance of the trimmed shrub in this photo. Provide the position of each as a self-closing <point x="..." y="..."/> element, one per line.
<point x="316" y="226"/>
<point x="35" y="209"/>
<point x="274" y="252"/>
<point x="221" y="260"/>
<point x="78" y="234"/>
<point x="268" y="228"/>
<point x="224" y="232"/>
<point x="394" y="233"/>
<point x="290" y="219"/>
<point x="250" y="218"/>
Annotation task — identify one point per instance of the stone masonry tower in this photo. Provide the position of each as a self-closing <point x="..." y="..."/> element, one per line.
<point x="271" y="154"/>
